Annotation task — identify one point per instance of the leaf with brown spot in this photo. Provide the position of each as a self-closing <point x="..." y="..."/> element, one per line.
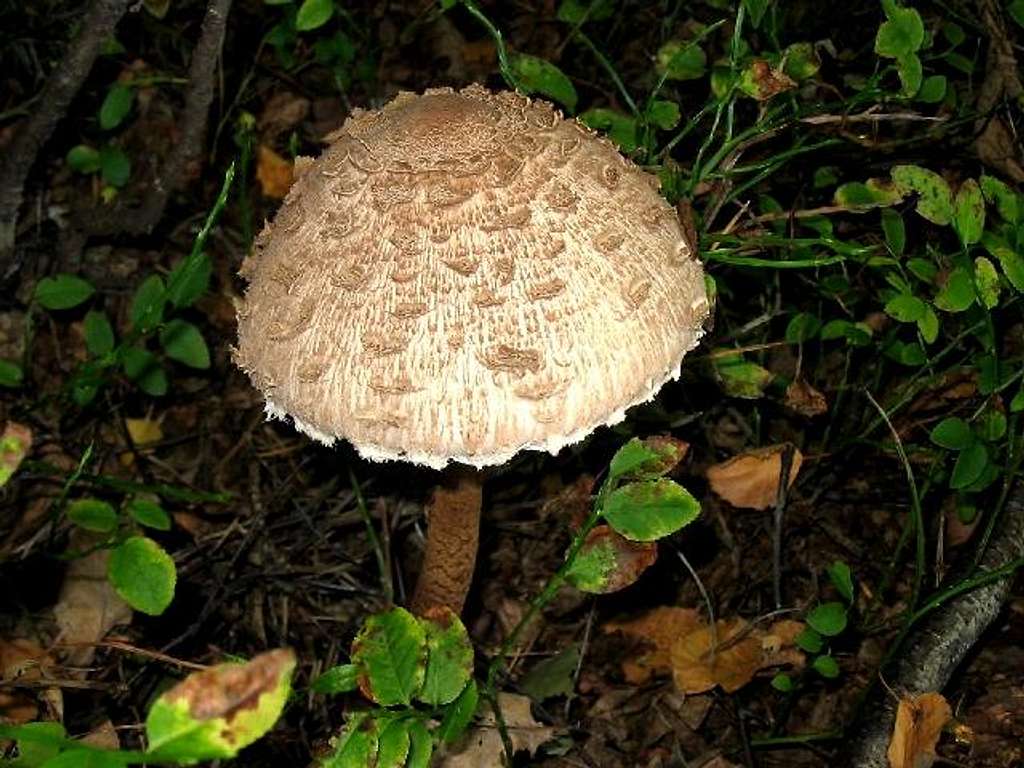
<point x="805" y="400"/>
<point x="608" y="562"/>
<point x="919" y="723"/>
<point x="751" y="480"/>
<point x="215" y="713"/>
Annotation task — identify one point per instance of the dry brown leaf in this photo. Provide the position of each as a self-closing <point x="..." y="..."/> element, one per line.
<point x="730" y="659"/>
<point x="103" y="736"/>
<point x="273" y="172"/>
<point x="282" y="112"/>
<point x="751" y="480"/>
<point x="805" y="399"/>
<point x="88" y="607"/>
<point x="15" y="443"/>
<point x="481" y="747"/>
<point x="919" y="723"/>
<point x="660" y="628"/>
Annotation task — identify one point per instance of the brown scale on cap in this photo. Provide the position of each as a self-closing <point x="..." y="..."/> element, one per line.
<point x="481" y="218"/>
<point x="460" y="276"/>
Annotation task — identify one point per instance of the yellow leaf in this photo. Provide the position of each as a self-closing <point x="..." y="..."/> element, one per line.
<point x="144" y="431"/>
<point x="273" y="172"/>
<point x="919" y="723"/>
<point x="751" y="480"/>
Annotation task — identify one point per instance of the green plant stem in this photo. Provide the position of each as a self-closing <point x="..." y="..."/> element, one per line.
<point x="499" y="43"/>
<point x="607" y="65"/>
<point x="371" y="534"/>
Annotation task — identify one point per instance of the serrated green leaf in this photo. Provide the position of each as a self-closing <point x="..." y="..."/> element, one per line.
<point x="842" y="579"/>
<point x="116" y="106"/>
<point x="935" y="201"/>
<point x="969" y="212"/>
<point x="340" y="679"/>
<point x="215" y="713"/>
<point x="953" y="433"/>
<point x="93" y="515"/>
<point x="969" y="465"/>
<point x="62" y="291"/>
<point x="313" y="14"/>
<point x="99" y="334"/>
<point x="826" y="666"/>
<point x="148" y="304"/>
<point x="143" y="574"/>
<point x="537" y="75"/>
<point x="115" y="166"/>
<point x="828" y="619"/>
<point x="183" y="342"/>
<point x="650" y="510"/>
<point x="986" y="280"/>
<point x="83" y="159"/>
<point x="11" y="374"/>
<point x="391" y="653"/>
<point x="143" y="367"/>
<point x="149" y="514"/>
<point x="449" y="658"/>
<point x="958" y="292"/>
<point x="459" y="715"/>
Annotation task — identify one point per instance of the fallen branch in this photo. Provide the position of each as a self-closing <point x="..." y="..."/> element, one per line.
<point x="61" y="87"/>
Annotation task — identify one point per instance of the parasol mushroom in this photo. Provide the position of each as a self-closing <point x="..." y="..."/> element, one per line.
<point x="463" y="275"/>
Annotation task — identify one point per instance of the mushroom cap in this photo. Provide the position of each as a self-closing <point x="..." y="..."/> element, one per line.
<point x="464" y="275"/>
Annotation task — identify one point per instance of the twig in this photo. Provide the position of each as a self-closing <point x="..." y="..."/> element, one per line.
<point x="61" y="87"/>
<point x="780" y="508"/>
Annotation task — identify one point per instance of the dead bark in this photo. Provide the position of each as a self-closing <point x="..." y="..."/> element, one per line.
<point x="61" y="87"/>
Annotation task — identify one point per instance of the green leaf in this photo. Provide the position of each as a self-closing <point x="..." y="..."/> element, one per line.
<point x="391" y="653"/>
<point x="393" y="744"/>
<point x="906" y="308"/>
<point x="663" y="114"/>
<point x="149" y="514"/>
<point x="83" y="159"/>
<point x="356" y="747"/>
<point x="828" y="619"/>
<point x="11" y="374"/>
<point x="874" y="193"/>
<point x="143" y="574"/>
<point x="740" y="377"/>
<point x="37" y="742"/>
<point x="115" y="166"/>
<point x="340" y="679"/>
<point x="986" y="281"/>
<point x="148" y="304"/>
<point x="842" y="579"/>
<point x="782" y="683"/>
<point x="800" y="61"/>
<point x="953" y="433"/>
<point x="620" y="128"/>
<point x="189" y="280"/>
<point x="62" y="291"/>
<point x="969" y="465"/>
<point x="953" y="33"/>
<point x="911" y="73"/>
<point x="1016" y="11"/>
<point x="1005" y="199"/>
<point x="1011" y="262"/>
<point x="809" y="640"/>
<point x="576" y="11"/>
<point x="313" y="14"/>
<point x="923" y="269"/>
<point x="536" y="75"/>
<point x="650" y="510"/>
<point x="756" y="10"/>
<point x="901" y="34"/>
<point x="553" y="676"/>
<point x="143" y="367"/>
<point x="116" y="106"/>
<point x="93" y="515"/>
<point x="87" y="757"/>
<point x="969" y="212"/>
<point x="928" y="325"/>
<point x="802" y="327"/>
<point x="217" y="712"/>
<point x="183" y="342"/>
<point x="681" y="60"/>
<point x="449" y="658"/>
<point x="826" y="666"/>
<point x="646" y="459"/>
<point x="895" y="232"/>
<point x="99" y="334"/>
<point x="421" y="746"/>
<point x="958" y="292"/>
<point x="992" y="425"/>
<point x="459" y="714"/>
<point x="935" y="201"/>
<point x="1017" y="404"/>
<point x="933" y="89"/>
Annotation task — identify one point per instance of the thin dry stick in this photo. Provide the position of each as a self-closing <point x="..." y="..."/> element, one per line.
<point x="61" y="87"/>
<point x="780" y="508"/>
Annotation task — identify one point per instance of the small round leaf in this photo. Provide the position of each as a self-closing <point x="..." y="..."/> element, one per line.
<point x="143" y="574"/>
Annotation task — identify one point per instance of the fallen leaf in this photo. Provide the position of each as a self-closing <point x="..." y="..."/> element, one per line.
<point x="751" y="480"/>
<point x="88" y="607"/>
<point x="659" y="628"/>
<point x="22" y="660"/>
<point x="283" y="111"/>
<point x="144" y="431"/>
<point x="103" y="736"/>
<point x="15" y="443"/>
<point x="805" y="399"/>
<point x="919" y="723"/>
<point x="729" y="658"/>
<point x="273" y="172"/>
<point x="481" y="747"/>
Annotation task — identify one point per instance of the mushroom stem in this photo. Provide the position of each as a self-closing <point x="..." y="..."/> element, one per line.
<point x="453" y="535"/>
